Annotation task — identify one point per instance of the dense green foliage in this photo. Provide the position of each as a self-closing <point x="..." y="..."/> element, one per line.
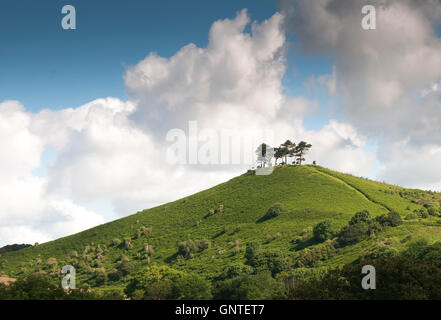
<point x="397" y="278"/>
<point x="362" y="216"/>
<point x="216" y="240"/>
<point x="323" y="231"/>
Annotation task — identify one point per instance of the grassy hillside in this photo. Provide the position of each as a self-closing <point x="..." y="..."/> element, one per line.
<point x="227" y="217"/>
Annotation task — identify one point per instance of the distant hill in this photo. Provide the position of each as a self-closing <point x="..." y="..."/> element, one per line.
<point x="13" y="247"/>
<point x="208" y="231"/>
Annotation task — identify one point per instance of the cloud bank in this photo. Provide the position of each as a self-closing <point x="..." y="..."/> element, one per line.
<point x="388" y="78"/>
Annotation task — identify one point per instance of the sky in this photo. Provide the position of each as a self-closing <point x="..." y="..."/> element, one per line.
<point x="92" y="119"/>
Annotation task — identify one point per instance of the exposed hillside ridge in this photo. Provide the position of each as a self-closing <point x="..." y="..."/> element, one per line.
<point x="329" y="173"/>
<point x="206" y="232"/>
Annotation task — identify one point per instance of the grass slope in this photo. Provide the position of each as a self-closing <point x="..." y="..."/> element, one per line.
<point x="309" y="194"/>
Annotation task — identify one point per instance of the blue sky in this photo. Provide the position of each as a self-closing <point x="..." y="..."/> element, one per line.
<point x="44" y="66"/>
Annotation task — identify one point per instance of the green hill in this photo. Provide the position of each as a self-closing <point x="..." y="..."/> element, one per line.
<point x="220" y="222"/>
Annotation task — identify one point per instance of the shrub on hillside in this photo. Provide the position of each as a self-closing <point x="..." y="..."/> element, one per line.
<point x="100" y="276"/>
<point x="211" y="212"/>
<point x="114" y="276"/>
<point x="249" y="287"/>
<point x="274" y="261"/>
<point x="236" y="270"/>
<point x="274" y="211"/>
<point x="189" y="247"/>
<point x="420" y="250"/>
<point x="310" y="257"/>
<point x="433" y="211"/>
<point x="411" y="216"/>
<point x="422" y="213"/>
<point x="352" y="234"/>
<point x="124" y="266"/>
<point x="276" y="236"/>
<point x="362" y="216"/>
<point x="148" y="249"/>
<point x="323" y="231"/>
<point x="153" y="282"/>
<point x="304" y="235"/>
<point x="142" y="231"/>
<point x="190" y="287"/>
<point x="51" y="262"/>
<point x="293" y="278"/>
<point x="401" y="278"/>
<point x="163" y="282"/>
<point x="238" y="228"/>
<point x="115" y="242"/>
<point x="380" y="249"/>
<point x="392" y="219"/>
<point x="251" y="250"/>
<point x="126" y="244"/>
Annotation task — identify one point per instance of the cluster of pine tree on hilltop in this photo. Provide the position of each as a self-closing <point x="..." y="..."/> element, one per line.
<point x="286" y="150"/>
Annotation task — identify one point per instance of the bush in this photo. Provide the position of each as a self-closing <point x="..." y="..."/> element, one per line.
<point x="251" y="250"/>
<point x="39" y="287"/>
<point x="191" y="287"/>
<point x="380" y="249"/>
<point x="238" y="228"/>
<point x="276" y="236"/>
<point x="309" y="257"/>
<point x="274" y="211"/>
<point x="115" y="242"/>
<point x="298" y="276"/>
<point x="114" y="275"/>
<point x="411" y="216"/>
<point x="211" y="212"/>
<point x="297" y="240"/>
<point x="352" y="234"/>
<point x="153" y="282"/>
<point x="163" y="282"/>
<point x="126" y="244"/>
<point x="398" y="278"/>
<point x="100" y="276"/>
<point x="323" y="231"/>
<point x="392" y="219"/>
<point x="249" y="287"/>
<point x="236" y="270"/>
<point x="422" y="213"/>
<point x="124" y="266"/>
<point x="274" y="261"/>
<point x="432" y="211"/>
<point x="362" y="216"/>
<point x="420" y="250"/>
<point x="189" y="247"/>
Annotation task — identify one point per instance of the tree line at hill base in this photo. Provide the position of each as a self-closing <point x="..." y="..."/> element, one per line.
<point x="404" y="277"/>
<point x="414" y="273"/>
